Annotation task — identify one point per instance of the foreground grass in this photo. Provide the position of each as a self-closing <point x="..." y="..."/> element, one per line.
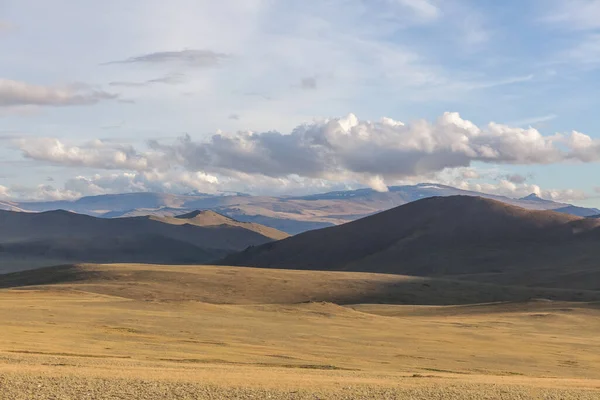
<point x="107" y="339"/>
<point x="23" y="387"/>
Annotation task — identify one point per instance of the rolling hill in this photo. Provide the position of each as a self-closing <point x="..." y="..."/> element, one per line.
<point x="34" y="239"/>
<point x="210" y="218"/>
<point x="235" y="285"/>
<point x="461" y="237"/>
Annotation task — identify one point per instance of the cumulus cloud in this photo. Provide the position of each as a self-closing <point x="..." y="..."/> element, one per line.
<point x="189" y="58"/>
<point x="583" y="147"/>
<point x="469" y="173"/>
<point x="153" y="181"/>
<point x="377" y="183"/>
<point x="180" y="181"/>
<point x="344" y="148"/>
<point x="15" y="93"/>
<point x="516" y="190"/>
<point x="4" y="193"/>
<point x="41" y="193"/>
<point x="95" y="154"/>
<point x="338" y="150"/>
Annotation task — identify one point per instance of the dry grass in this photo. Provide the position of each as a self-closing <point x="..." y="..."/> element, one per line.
<point x="81" y="341"/>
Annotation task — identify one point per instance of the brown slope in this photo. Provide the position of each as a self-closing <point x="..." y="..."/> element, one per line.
<point x="208" y="218"/>
<point x="458" y="236"/>
<point x="69" y="237"/>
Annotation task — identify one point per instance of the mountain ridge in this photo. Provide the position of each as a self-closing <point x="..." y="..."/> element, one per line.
<point x="458" y="236"/>
<point x="60" y="236"/>
<point x="292" y="214"/>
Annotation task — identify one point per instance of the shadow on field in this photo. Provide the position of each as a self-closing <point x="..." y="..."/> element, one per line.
<point x="242" y="285"/>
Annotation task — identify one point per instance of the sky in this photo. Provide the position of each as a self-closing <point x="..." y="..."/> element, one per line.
<point x="291" y="97"/>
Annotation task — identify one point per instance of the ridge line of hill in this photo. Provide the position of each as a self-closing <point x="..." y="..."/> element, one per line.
<point x="461" y="237"/>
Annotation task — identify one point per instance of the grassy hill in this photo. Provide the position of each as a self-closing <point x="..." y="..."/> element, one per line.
<point x="460" y="237"/>
<point x="210" y="218"/>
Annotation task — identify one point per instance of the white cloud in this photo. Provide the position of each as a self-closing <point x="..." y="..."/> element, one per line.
<point x="583" y="147"/>
<point x="125" y="182"/>
<point x="95" y="154"/>
<point x="338" y="150"/>
<point x="185" y="182"/>
<point x="573" y="14"/>
<point x="15" y="93"/>
<point x="495" y="180"/>
<point x="425" y="9"/>
<point x="153" y="181"/>
<point x="469" y="173"/>
<point x="4" y="192"/>
<point x="177" y="181"/>
<point x="41" y="193"/>
<point x="516" y="190"/>
<point x="348" y="148"/>
<point x="377" y="183"/>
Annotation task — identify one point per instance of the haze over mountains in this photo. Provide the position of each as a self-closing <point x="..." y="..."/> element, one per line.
<point x="291" y="214"/>
<point x="56" y="237"/>
<point x="457" y="237"/>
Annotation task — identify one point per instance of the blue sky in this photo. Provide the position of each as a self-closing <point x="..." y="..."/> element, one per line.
<point x="281" y="96"/>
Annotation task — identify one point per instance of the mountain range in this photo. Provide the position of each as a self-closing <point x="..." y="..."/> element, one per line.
<point x="455" y="237"/>
<point x="30" y="240"/>
<point x="291" y="214"/>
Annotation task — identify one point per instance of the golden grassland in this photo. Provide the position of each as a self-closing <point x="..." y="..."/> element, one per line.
<point x="96" y="333"/>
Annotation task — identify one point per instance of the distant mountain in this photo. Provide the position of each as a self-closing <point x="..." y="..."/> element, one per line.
<point x="209" y="218"/>
<point x="98" y="205"/>
<point x="291" y="214"/>
<point x="535" y="197"/>
<point x="457" y="237"/>
<point x="54" y="237"/>
<point x="579" y="211"/>
<point x="288" y="225"/>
